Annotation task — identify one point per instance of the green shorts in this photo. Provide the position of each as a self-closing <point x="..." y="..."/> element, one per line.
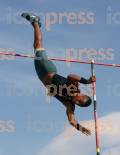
<point x="43" y="65"/>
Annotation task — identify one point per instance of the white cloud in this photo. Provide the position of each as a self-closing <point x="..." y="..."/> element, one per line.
<point x="72" y="142"/>
<point x="112" y="151"/>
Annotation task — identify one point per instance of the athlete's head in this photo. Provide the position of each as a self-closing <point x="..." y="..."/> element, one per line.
<point x="82" y="100"/>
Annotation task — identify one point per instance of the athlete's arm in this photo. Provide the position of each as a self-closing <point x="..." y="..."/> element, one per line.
<point x="76" y="78"/>
<point x="75" y="123"/>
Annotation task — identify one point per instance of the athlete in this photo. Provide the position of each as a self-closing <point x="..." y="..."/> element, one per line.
<point x="70" y="94"/>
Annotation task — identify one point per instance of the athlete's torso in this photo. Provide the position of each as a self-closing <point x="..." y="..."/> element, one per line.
<point x="60" y="81"/>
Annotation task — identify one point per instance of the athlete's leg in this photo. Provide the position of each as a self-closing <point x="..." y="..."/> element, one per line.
<point x="37" y="36"/>
<point x="44" y="67"/>
<point x="35" y="21"/>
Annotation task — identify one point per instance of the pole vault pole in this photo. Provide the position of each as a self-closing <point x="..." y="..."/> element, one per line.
<point x="95" y="111"/>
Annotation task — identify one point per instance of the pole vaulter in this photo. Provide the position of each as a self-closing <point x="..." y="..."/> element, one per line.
<point x="47" y="73"/>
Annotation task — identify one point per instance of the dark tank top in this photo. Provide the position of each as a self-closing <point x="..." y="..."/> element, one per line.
<point x="59" y="80"/>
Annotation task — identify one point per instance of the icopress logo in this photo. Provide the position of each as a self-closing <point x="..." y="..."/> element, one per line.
<point x="49" y="19"/>
<point x="112" y="16"/>
<point x="99" y="54"/>
<point x="6" y="57"/>
<point x="71" y="18"/>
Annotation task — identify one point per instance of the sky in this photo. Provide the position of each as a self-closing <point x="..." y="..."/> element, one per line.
<point x="34" y="124"/>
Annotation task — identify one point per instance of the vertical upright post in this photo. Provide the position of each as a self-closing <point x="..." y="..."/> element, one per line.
<point x="95" y="111"/>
